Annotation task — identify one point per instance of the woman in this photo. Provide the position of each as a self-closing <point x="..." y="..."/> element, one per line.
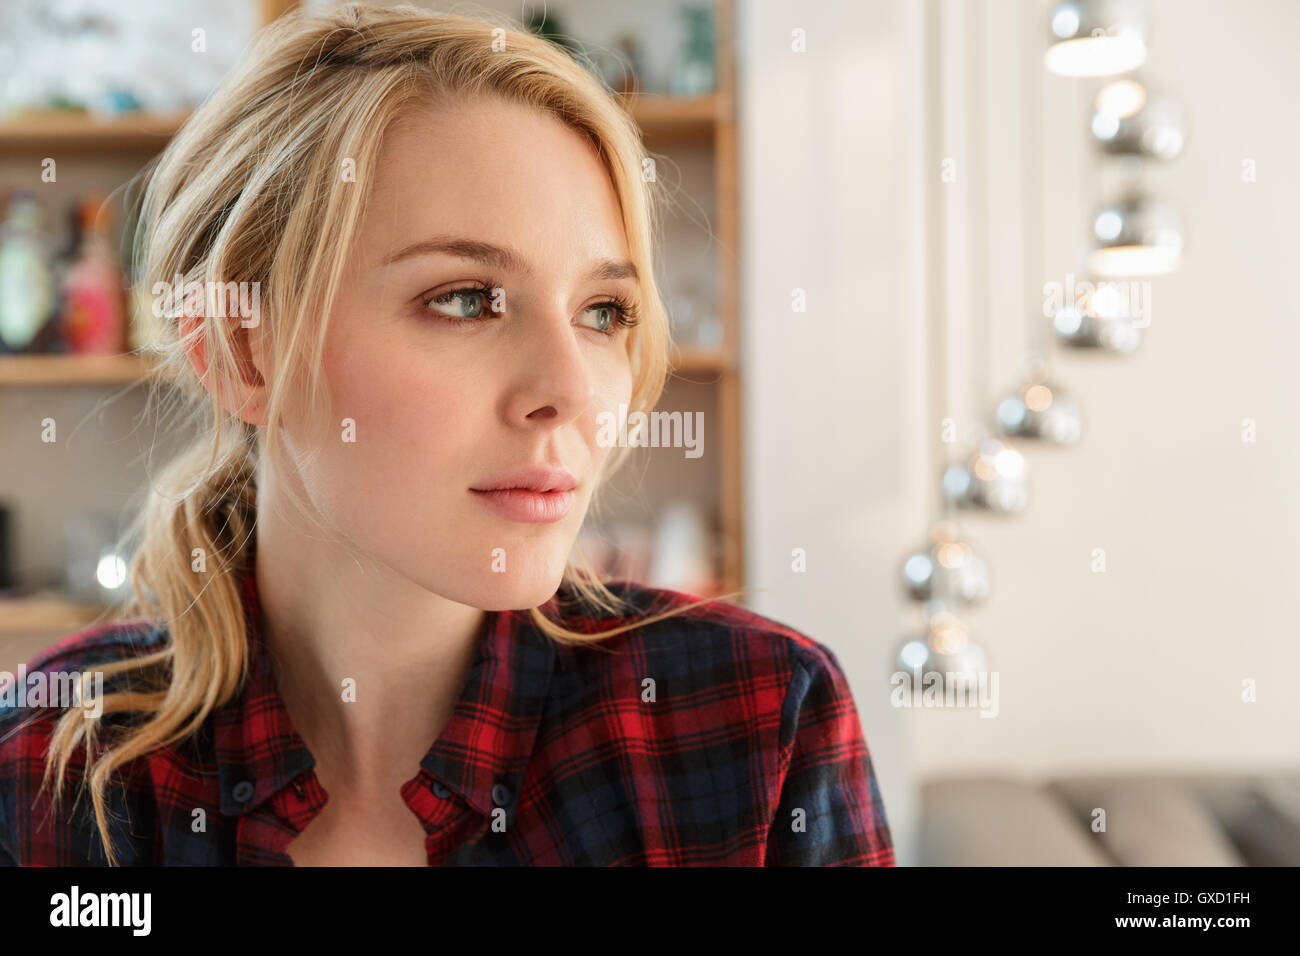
<point x="445" y="246"/>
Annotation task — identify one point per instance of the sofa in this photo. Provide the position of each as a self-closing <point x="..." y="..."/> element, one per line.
<point x="1154" y="819"/>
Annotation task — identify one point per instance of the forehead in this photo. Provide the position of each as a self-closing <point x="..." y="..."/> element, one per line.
<point x="497" y="171"/>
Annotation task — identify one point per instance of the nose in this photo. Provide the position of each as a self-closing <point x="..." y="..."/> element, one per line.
<point x="553" y="382"/>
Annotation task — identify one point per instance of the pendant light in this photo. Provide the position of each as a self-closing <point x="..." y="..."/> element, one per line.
<point x="1039" y="409"/>
<point x="1096" y="37"/>
<point x="991" y="478"/>
<point x="949" y="568"/>
<point x="1128" y="121"/>
<point x="944" y="648"/>
<point x="1135" y="236"/>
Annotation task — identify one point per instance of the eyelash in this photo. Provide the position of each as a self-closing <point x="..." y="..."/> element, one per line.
<point x="626" y="313"/>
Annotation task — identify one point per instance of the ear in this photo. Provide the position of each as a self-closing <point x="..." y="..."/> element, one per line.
<point x="247" y="400"/>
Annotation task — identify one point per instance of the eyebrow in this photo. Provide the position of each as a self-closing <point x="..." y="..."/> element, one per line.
<point x="503" y="258"/>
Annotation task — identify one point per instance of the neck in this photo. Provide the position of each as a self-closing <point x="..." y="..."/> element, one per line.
<point x="369" y="663"/>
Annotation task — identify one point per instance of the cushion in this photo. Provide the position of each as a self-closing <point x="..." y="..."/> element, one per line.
<point x="999" y="821"/>
<point x="1150" y="821"/>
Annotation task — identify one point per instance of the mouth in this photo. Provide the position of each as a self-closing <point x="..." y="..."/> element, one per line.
<point x="522" y="504"/>
<point x="534" y="495"/>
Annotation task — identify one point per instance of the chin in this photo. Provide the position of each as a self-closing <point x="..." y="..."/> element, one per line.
<point x="512" y="590"/>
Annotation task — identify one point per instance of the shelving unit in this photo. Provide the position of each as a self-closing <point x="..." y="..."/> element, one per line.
<point x="703" y="122"/>
<point x="58" y="370"/>
<point x="124" y="136"/>
<point x="45" y="614"/>
<point x="129" y="369"/>
<point x="662" y="119"/>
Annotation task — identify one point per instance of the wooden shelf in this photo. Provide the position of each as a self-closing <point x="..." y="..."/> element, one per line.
<point x="45" y="614"/>
<point x="691" y="359"/>
<point x="661" y="118"/>
<point x="55" y="370"/>
<point x="72" y="369"/>
<point x="676" y="118"/>
<point x="132" y="133"/>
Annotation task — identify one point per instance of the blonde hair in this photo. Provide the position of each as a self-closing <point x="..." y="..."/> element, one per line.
<point x="249" y="190"/>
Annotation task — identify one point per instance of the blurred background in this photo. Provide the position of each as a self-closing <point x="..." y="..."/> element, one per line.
<point x="983" y="306"/>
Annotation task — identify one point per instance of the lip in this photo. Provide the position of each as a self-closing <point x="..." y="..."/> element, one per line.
<point x="536" y="494"/>
<point x="531" y="478"/>
<point x="532" y="507"/>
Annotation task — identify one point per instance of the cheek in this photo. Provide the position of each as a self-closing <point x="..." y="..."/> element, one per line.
<point x="613" y="388"/>
<point x="399" y="424"/>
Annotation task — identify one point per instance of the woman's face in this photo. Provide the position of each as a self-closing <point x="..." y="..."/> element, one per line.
<point x="474" y="337"/>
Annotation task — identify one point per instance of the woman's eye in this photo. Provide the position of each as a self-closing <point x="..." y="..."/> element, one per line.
<point x="459" y="303"/>
<point x="605" y="316"/>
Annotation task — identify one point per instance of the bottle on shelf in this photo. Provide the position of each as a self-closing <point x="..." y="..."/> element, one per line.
<point x="92" y="320"/>
<point x="143" y="326"/>
<point x="26" y="287"/>
<point x="51" y="341"/>
<point x="683" y="559"/>
<point x="693" y="73"/>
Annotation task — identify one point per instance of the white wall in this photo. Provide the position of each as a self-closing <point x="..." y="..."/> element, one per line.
<point x="831" y="205"/>
<point x="1141" y="666"/>
<point x="1137" y="667"/>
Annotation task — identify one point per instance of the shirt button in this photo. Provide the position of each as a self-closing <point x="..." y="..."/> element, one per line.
<point x="501" y="795"/>
<point x="440" y="791"/>
<point x="243" y="791"/>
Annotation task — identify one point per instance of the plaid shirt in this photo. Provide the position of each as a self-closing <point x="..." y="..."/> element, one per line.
<point x="717" y="738"/>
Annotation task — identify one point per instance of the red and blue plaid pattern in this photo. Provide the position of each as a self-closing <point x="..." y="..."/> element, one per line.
<point x="718" y="738"/>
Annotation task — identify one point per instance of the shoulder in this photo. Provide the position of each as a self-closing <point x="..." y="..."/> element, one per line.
<point x="99" y="645"/>
<point x="709" y="620"/>
<point x="735" y="716"/>
<point x="41" y="690"/>
<point x="46" y="685"/>
<point x="715" y="642"/>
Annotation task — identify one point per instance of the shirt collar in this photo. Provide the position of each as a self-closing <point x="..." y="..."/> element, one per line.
<point x="480" y="755"/>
